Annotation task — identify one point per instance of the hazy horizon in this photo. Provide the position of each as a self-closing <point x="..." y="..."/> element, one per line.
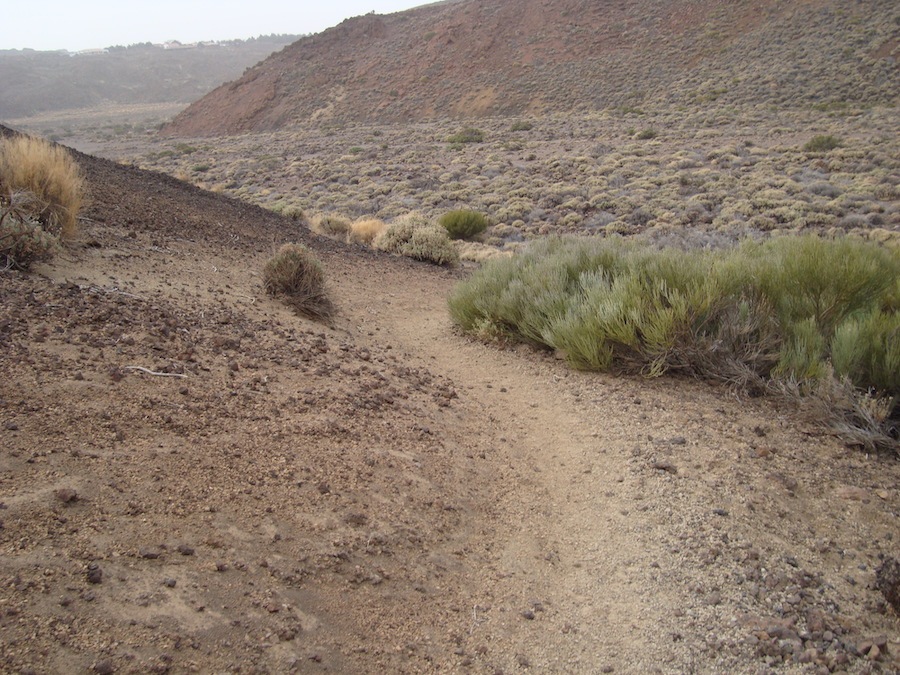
<point x="97" y="24"/>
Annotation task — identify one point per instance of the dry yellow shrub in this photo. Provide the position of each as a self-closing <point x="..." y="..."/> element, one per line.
<point x="364" y="230"/>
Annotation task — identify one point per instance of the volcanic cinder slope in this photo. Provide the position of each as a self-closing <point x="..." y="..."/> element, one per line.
<point x="477" y="58"/>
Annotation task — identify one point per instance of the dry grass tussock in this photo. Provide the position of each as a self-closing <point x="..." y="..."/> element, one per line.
<point x="365" y="230"/>
<point x="473" y="251"/>
<point x="48" y="172"/>
<point x="295" y="276"/>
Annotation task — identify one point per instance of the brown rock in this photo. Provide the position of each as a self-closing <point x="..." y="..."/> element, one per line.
<point x="815" y="621"/>
<point x="808" y="656"/>
<point x="851" y="493"/>
<point x="66" y="495"/>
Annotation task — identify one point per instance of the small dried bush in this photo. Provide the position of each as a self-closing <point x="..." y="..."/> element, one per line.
<point x="330" y="225"/>
<point x="399" y="232"/>
<point x="47" y="172"/>
<point x="462" y="224"/>
<point x="289" y="210"/>
<point x="294" y="212"/>
<point x="414" y="236"/>
<point x="23" y="240"/>
<point x="479" y="253"/>
<point x="295" y="276"/>
<point x="823" y="188"/>
<point x="365" y="230"/>
<point x="394" y="237"/>
<point x="430" y="244"/>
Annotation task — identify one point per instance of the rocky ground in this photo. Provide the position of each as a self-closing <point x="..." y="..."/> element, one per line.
<point x="193" y="479"/>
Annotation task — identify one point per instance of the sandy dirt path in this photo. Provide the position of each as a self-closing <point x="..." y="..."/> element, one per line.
<point x="624" y="526"/>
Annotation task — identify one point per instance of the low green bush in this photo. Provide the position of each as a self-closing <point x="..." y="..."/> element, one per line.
<point x="294" y="275"/>
<point x="822" y="143"/>
<point x="462" y="224"/>
<point x="793" y="309"/>
<point x="467" y="135"/>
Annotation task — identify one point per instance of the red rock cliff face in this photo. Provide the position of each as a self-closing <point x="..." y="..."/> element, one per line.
<point x="473" y="58"/>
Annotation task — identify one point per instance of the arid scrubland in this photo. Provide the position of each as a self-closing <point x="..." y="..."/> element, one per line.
<point x="708" y="174"/>
<point x="698" y="178"/>
<point x="198" y="478"/>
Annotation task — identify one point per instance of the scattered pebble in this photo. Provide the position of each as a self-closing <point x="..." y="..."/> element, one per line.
<point x="665" y="466"/>
<point x="94" y="573"/>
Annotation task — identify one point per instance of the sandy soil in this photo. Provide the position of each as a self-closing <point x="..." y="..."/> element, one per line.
<point x="382" y="494"/>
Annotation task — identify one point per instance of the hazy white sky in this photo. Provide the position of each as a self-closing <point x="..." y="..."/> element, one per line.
<point x="87" y="24"/>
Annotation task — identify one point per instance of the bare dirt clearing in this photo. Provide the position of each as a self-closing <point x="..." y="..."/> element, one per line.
<point x="383" y="494"/>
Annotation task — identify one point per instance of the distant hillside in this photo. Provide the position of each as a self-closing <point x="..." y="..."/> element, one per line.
<point x="33" y="82"/>
<point x="476" y="58"/>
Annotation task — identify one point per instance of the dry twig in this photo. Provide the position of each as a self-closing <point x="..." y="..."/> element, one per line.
<point x="154" y="373"/>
